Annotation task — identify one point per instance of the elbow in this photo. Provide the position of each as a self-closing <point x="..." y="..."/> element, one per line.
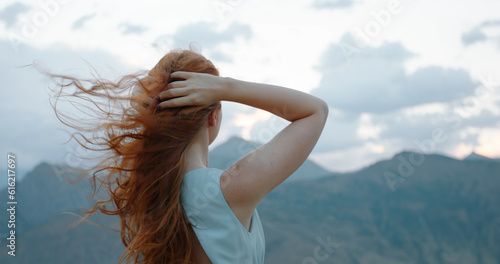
<point x="323" y="109"/>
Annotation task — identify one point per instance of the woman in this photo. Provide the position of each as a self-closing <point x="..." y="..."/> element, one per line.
<point x="173" y="207"/>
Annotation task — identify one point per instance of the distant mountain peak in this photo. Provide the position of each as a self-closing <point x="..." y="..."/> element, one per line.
<point x="404" y="153"/>
<point x="475" y="156"/>
<point x="407" y="153"/>
<point x="415" y="154"/>
<point x="236" y="139"/>
<point x="235" y="142"/>
<point x="43" y="165"/>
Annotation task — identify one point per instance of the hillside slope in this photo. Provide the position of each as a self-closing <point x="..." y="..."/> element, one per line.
<point x="410" y="209"/>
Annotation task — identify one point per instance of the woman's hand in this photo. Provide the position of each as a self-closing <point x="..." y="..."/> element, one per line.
<point x="198" y="90"/>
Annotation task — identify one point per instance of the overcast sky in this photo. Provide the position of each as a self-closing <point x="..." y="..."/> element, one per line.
<point x="397" y="75"/>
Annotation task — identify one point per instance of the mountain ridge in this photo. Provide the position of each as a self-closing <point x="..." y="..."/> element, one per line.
<point x="411" y="208"/>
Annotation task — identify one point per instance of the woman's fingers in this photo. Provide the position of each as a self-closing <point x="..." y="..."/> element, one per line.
<point x="174" y="92"/>
<point x="176" y="84"/>
<point x="174" y="102"/>
<point x="180" y="94"/>
<point x="181" y="74"/>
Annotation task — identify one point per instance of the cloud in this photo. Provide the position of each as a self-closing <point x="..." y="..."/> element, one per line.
<point x="339" y="132"/>
<point x="477" y="34"/>
<point x="371" y="98"/>
<point x="34" y="132"/>
<point x="132" y="29"/>
<point x="207" y="36"/>
<point x="444" y="133"/>
<point x="377" y="109"/>
<point x="81" y="21"/>
<point x="9" y="14"/>
<point x="375" y="81"/>
<point x="441" y="132"/>
<point x="332" y="3"/>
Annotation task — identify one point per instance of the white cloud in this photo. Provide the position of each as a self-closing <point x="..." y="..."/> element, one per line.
<point x="366" y="129"/>
<point x="208" y="37"/>
<point x="375" y="80"/>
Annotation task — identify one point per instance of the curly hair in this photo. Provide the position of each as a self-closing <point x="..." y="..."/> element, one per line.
<point x="145" y="154"/>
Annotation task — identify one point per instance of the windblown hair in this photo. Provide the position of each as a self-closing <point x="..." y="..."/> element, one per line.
<point x="145" y="154"/>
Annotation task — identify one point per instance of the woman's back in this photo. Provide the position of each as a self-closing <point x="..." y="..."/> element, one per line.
<point x="223" y="237"/>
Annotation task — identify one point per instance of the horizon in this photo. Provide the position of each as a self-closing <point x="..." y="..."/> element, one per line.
<point x="2" y="185"/>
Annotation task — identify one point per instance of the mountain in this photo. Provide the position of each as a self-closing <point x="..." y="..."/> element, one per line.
<point x="438" y="210"/>
<point x="234" y="148"/>
<point x="20" y="174"/>
<point x="475" y="156"/>
<point x="412" y="208"/>
<point x="43" y="193"/>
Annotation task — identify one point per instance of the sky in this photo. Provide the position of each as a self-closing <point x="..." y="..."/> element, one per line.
<point x="397" y="75"/>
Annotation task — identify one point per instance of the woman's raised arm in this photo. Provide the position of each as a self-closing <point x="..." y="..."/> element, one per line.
<point x="246" y="182"/>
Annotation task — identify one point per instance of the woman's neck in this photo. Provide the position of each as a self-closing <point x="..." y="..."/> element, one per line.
<point x="197" y="152"/>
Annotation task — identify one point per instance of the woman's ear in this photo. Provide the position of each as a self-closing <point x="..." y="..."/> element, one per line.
<point x="212" y="118"/>
<point x="214" y="115"/>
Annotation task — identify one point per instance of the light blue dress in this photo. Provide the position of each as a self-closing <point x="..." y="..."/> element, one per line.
<point x="221" y="234"/>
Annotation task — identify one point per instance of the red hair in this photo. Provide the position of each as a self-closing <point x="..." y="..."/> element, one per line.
<point x="145" y="153"/>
